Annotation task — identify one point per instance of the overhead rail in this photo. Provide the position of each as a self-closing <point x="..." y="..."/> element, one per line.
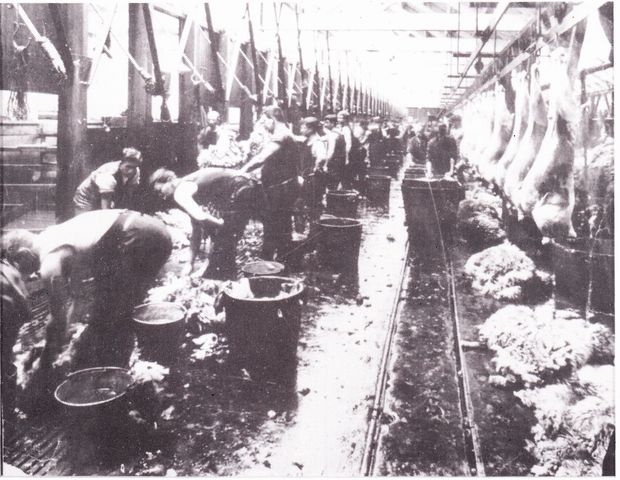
<point x="524" y="46"/>
<point x="498" y="14"/>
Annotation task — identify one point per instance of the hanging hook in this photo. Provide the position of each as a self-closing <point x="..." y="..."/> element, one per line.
<point x="19" y="48"/>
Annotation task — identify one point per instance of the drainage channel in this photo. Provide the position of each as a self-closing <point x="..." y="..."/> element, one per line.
<point x="469" y="430"/>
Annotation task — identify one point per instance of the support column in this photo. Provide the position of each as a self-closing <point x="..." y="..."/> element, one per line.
<point x="139" y="102"/>
<point x="71" y="28"/>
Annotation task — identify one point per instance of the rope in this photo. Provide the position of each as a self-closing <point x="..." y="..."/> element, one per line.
<point x="149" y="86"/>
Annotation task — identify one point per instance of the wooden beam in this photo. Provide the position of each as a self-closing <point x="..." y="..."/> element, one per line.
<point x="214" y="45"/>
<point x="70" y="22"/>
<point x="139" y="102"/>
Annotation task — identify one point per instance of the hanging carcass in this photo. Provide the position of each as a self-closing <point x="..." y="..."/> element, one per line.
<point x="500" y="135"/>
<point x="479" y="124"/>
<point x="530" y="143"/>
<point x="519" y="84"/>
<point x="548" y="190"/>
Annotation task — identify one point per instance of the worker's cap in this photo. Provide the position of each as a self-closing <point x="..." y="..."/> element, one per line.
<point x="344" y="113"/>
<point x="376" y="119"/>
<point x="133" y="155"/>
<point x="330" y="117"/>
<point x="312" y="123"/>
<point x="274" y="112"/>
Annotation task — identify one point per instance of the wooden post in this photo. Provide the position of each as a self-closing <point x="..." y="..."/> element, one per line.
<point x="258" y="86"/>
<point x="187" y="96"/>
<point x="139" y="102"/>
<point x="214" y="43"/>
<point x="70" y="24"/>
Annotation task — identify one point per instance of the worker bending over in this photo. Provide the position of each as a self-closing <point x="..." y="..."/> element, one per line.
<point x="236" y="196"/>
<point x="123" y="250"/>
<point x="15" y="312"/>
<point x="112" y="185"/>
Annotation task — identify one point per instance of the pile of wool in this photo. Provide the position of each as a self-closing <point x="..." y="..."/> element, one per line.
<point x="478" y="224"/>
<point x="532" y="346"/>
<point x="575" y="420"/>
<point x="484" y="197"/>
<point x="178" y="225"/>
<point x="226" y="153"/>
<point x="195" y="293"/>
<point x="506" y="273"/>
<point x="148" y="372"/>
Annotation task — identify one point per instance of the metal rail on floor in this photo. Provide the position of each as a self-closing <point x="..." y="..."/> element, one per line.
<point x="376" y="412"/>
<point x="470" y="432"/>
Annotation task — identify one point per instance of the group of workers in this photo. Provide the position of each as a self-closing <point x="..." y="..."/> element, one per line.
<point x="123" y="249"/>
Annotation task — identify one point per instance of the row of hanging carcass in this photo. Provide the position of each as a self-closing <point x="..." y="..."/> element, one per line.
<point x="527" y="135"/>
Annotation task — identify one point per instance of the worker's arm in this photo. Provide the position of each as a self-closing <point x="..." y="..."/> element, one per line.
<point x="106" y="184"/>
<point x="54" y="272"/>
<point x="106" y="201"/>
<point x="259" y="159"/>
<point x="330" y="147"/>
<point x="194" y="246"/>
<point x="184" y="197"/>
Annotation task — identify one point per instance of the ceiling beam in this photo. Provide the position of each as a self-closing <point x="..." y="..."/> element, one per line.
<point x="428" y="22"/>
<point x="492" y="24"/>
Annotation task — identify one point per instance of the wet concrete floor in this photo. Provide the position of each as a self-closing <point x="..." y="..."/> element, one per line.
<point x="310" y="417"/>
<point x="227" y="418"/>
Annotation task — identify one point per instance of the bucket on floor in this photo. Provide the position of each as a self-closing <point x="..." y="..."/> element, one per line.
<point x="262" y="268"/>
<point x="263" y="316"/>
<point x="95" y="398"/>
<point x="338" y="243"/>
<point x="342" y="203"/>
<point x="379" y="189"/>
<point x="431" y="205"/>
<point x="160" y="328"/>
<point x="585" y="266"/>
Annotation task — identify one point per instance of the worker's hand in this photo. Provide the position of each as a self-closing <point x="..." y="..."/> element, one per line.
<point x="187" y="270"/>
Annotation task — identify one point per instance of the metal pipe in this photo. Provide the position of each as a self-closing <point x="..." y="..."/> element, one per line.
<point x="498" y="13"/>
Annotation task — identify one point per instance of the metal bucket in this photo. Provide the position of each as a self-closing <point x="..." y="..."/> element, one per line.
<point x="339" y="243"/>
<point x="430" y="209"/>
<point x="342" y="203"/>
<point x="584" y="267"/>
<point x="379" y="189"/>
<point x="263" y="316"/>
<point x="160" y="328"/>
<point x="95" y="399"/>
<point x="262" y="268"/>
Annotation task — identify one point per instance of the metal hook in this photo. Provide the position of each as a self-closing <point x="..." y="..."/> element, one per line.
<point x="20" y="48"/>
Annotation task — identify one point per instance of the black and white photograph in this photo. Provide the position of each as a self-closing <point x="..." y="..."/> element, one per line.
<point x="318" y="238"/>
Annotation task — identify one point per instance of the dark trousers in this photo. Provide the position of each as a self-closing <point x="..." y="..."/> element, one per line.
<point x="125" y="262"/>
<point x="246" y="200"/>
<point x="222" y="261"/>
<point x="354" y="175"/>
<point x="278" y="218"/>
